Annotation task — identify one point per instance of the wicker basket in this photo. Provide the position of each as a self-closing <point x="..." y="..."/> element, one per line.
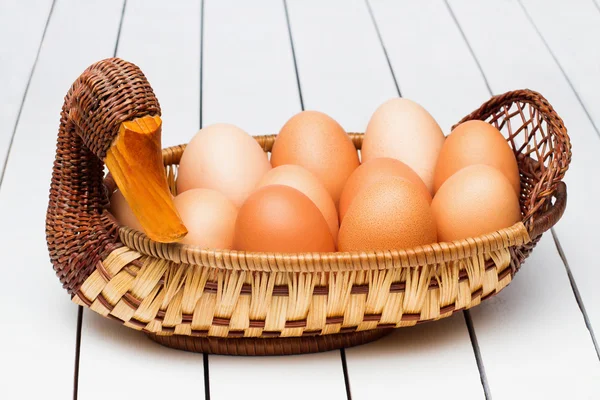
<point x="231" y="302"/>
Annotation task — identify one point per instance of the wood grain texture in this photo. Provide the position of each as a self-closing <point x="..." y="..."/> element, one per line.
<point x="73" y="41"/>
<point x="168" y="53"/>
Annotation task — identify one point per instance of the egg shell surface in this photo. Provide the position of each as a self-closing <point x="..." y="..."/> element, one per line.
<point x="224" y="158"/>
<point x="476" y="200"/>
<point x="318" y="143"/>
<point x="390" y="214"/>
<point x="278" y="218"/>
<point x="402" y="129"/>
<point x="476" y="142"/>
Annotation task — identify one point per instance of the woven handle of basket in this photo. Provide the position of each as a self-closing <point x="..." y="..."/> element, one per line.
<point x="541" y="214"/>
<point x="550" y="217"/>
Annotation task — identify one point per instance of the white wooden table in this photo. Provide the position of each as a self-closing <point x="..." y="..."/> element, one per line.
<point x="254" y="64"/>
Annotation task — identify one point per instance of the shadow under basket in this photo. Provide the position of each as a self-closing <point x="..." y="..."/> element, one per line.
<point x="229" y="302"/>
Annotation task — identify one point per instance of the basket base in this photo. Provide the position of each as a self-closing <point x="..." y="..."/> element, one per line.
<point x="268" y="346"/>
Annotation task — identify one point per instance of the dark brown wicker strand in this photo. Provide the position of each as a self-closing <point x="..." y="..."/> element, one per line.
<point x="106" y="94"/>
<point x="269" y="346"/>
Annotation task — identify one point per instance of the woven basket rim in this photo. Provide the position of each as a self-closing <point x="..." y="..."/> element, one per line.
<point x="416" y="256"/>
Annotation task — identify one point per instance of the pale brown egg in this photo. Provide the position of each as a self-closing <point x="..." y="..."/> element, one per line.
<point x="301" y="179"/>
<point x="474" y="201"/>
<point x="402" y="129"/>
<point x="120" y="209"/>
<point x="224" y="158"/>
<point x="209" y="217"/>
<point x="318" y="143"/>
<point x="278" y="218"/>
<point x="476" y="142"/>
<point x="389" y="214"/>
<point x="373" y="171"/>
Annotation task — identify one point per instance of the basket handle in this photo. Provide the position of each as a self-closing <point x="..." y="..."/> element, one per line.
<point x="537" y="219"/>
<point x="550" y="217"/>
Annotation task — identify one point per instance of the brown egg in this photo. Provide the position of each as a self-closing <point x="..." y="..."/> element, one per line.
<point x="373" y="171"/>
<point x="318" y="143"/>
<point x="120" y="209"/>
<point x="476" y="200"/>
<point x="224" y="158"/>
<point x="209" y="217"/>
<point x="404" y="130"/>
<point x="301" y="179"/>
<point x="389" y="214"/>
<point x="476" y="142"/>
<point x="281" y="219"/>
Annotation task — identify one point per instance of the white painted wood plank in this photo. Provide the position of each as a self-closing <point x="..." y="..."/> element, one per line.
<point x="430" y="60"/>
<point x="137" y="366"/>
<point x="342" y="68"/>
<point x="524" y="62"/>
<point x="316" y="376"/>
<point x="532" y="337"/>
<point x="21" y="28"/>
<point x="429" y="361"/>
<point x="343" y="71"/>
<point x="164" y="41"/>
<point x="249" y="80"/>
<point x="37" y="341"/>
<point x="570" y="28"/>
<point x="249" y="76"/>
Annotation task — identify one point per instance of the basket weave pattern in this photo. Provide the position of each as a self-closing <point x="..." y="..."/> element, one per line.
<point x="175" y="291"/>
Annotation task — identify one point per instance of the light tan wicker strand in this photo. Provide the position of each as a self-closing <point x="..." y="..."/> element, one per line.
<point x="147" y="294"/>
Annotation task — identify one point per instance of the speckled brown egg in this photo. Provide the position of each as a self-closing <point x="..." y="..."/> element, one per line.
<point x="318" y="143"/>
<point x="476" y="142"/>
<point x="301" y="179"/>
<point x="402" y="129"/>
<point x="373" y="171"/>
<point x="389" y="214"/>
<point x="476" y="200"/>
<point x="278" y="218"/>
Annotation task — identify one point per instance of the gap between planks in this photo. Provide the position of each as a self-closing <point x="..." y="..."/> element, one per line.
<point x="14" y="130"/>
<point x="575" y="289"/>
<point x="205" y="360"/>
<point x="557" y="244"/>
<point x="596" y="4"/>
<point x="201" y="71"/>
<point x="466" y="314"/>
<point x="560" y="67"/>
<point x="80" y="308"/>
<point x="470" y="327"/>
<point x="289" y="29"/>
